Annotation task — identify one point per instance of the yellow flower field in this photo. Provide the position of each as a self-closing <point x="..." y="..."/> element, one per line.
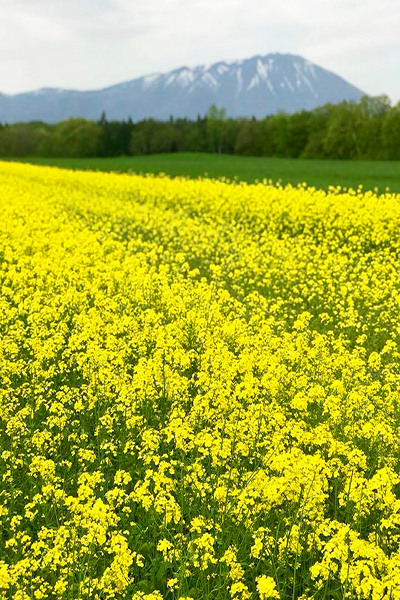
<point x="199" y="389"/>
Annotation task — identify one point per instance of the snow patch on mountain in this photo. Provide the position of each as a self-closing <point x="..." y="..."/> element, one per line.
<point x="185" y="77"/>
<point x="239" y="77"/>
<point x="149" y="80"/>
<point x="210" y="80"/>
<point x="271" y="87"/>
<point x="302" y="78"/>
<point x="255" y="80"/>
<point x="311" y="68"/>
<point x="222" y="69"/>
<point x="288" y="83"/>
<point x="262" y="69"/>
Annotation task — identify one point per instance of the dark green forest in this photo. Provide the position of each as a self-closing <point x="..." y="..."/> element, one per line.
<point x="369" y="129"/>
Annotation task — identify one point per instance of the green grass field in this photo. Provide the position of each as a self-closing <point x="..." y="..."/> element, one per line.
<point x="319" y="173"/>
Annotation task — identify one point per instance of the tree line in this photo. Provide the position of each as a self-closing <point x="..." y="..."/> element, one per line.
<point x="369" y="129"/>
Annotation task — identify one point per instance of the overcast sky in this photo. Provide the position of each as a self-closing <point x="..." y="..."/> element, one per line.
<point x="88" y="44"/>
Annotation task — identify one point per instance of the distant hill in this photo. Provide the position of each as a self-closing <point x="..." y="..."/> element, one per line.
<point x="257" y="86"/>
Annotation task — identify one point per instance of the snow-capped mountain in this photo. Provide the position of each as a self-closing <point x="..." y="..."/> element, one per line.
<point x="258" y="86"/>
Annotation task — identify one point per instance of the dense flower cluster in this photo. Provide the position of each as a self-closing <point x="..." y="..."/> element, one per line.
<point x="199" y="389"/>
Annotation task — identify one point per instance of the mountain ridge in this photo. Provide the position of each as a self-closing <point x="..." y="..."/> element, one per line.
<point x="257" y="86"/>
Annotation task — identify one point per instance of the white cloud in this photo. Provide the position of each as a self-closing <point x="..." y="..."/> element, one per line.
<point x="95" y="43"/>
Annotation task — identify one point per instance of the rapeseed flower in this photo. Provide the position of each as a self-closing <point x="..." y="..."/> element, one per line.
<point x="199" y="389"/>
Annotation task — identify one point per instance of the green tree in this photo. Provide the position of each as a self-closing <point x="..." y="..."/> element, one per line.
<point x="166" y="138"/>
<point x="273" y="137"/>
<point x="343" y="135"/>
<point x="23" y="139"/>
<point x="391" y="133"/>
<point x="76" y="138"/>
<point x="298" y="132"/>
<point x="142" y="137"/>
<point x="373" y="110"/>
<point x="318" y="125"/>
<point x="215" y="127"/>
<point x="247" y="139"/>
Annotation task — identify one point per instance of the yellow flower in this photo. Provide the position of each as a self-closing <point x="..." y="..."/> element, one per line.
<point x="266" y="587"/>
<point x="5" y="577"/>
<point x="201" y="375"/>
<point x="172" y="583"/>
